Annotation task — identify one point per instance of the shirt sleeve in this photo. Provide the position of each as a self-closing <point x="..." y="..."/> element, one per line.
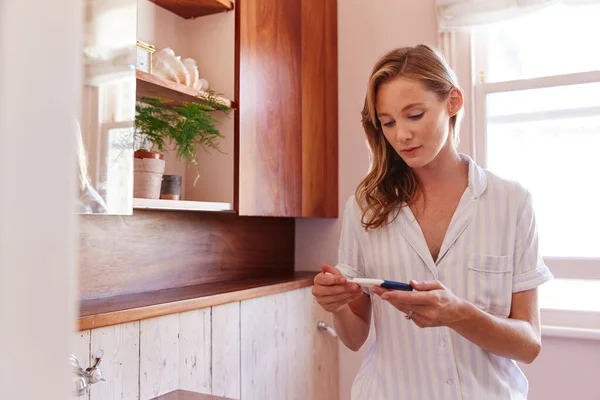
<point x="529" y="270"/>
<point x="350" y="258"/>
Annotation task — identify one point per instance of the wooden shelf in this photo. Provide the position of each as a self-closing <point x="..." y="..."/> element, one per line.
<point x="149" y="85"/>
<point x="195" y="8"/>
<point x="115" y="310"/>
<point x="181" y="205"/>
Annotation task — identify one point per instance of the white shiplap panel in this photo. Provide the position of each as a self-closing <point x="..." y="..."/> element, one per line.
<point x="81" y="350"/>
<point x="226" y="350"/>
<point x="322" y="354"/>
<point x="298" y="352"/>
<point x="195" y="351"/>
<point x="120" y="364"/>
<point x="159" y="356"/>
<point x="264" y="362"/>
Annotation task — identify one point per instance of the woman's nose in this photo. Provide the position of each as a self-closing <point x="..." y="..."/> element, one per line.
<point x="403" y="134"/>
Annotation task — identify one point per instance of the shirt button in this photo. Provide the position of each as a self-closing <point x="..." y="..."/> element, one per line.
<point x="449" y="382"/>
<point x="443" y="344"/>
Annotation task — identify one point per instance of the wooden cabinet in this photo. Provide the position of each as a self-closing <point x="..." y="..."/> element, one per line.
<point x="286" y="125"/>
<point x="284" y="355"/>
<point x="278" y="58"/>
<point x="259" y="349"/>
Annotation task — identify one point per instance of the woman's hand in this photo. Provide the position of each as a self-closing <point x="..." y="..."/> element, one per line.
<point x="432" y="304"/>
<point x="333" y="291"/>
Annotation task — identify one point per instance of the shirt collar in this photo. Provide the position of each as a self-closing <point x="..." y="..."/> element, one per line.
<point x="477" y="177"/>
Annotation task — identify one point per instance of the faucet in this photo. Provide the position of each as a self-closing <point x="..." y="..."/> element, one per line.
<point x="84" y="378"/>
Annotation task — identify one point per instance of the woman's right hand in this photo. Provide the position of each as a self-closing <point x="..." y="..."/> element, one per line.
<point x="333" y="291"/>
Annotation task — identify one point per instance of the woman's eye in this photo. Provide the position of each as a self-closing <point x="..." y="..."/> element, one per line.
<point x="416" y="117"/>
<point x="389" y="124"/>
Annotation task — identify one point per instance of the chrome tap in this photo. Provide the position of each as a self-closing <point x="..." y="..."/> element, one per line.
<point x="84" y="378"/>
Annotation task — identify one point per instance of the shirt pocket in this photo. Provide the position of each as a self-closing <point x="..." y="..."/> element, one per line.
<point x="489" y="283"/>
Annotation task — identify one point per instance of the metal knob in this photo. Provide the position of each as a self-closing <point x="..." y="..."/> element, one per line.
<point x="83" y="379"/>
<point x="324" y="327"/>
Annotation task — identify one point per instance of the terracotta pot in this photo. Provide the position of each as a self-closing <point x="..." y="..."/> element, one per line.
<point x="147" y="154"/>
<point x="148" y="169"/>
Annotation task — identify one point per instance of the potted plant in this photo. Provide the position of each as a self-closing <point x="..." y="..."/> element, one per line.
<point x="158" y="124"/>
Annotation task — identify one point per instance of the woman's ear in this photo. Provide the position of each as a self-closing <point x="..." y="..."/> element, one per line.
<point x="455" y="101"/>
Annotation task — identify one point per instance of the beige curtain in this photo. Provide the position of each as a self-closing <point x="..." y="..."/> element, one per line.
<point x="464" y="14"/>
<point x="456" y="47"/>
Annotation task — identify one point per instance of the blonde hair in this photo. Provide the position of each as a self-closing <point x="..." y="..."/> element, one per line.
<point x="390" y="182"/>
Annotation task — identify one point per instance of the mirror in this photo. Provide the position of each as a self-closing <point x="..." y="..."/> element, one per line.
<point x="105" y="127"/>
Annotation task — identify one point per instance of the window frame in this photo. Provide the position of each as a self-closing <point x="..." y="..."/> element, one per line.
<point x="561" y="267"/>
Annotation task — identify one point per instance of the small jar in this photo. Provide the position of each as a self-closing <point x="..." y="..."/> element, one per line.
<point x="171" y="187"/>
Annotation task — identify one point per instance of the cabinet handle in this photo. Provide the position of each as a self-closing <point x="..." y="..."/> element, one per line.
<point x="324" y="327"/>
<point x="84" y="378"/>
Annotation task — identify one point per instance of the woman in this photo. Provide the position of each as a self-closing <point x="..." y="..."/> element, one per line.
<point x="464" y="238"/>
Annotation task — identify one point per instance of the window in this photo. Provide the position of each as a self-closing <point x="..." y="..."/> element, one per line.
<point x="561" y="39"/>
<point x="538" y="122"/>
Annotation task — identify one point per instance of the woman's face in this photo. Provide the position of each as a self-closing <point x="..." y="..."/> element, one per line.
<point x="414" y="120"/>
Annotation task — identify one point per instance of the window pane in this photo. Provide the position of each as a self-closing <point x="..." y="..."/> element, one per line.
<point x="119" y="166"/>
<point x="546" y="99"/>
<point x="557" y="40"/>
<point x="558" y="161"/>
<point x="571" y="294"/>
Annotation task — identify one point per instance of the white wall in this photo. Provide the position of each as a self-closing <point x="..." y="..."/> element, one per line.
<point x="212" y="45"/>
<point x="40" y="85"/>
<point x="567" y="368"/>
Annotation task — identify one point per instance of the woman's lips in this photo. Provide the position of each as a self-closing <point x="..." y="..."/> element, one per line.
<point x="411" y="151"/>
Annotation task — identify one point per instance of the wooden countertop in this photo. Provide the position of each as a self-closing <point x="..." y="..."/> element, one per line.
<point x="115" y="310"/>
<point x="185" y="395"/>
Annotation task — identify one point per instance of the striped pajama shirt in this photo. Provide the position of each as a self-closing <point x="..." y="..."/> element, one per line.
<point x="489" y="252"/>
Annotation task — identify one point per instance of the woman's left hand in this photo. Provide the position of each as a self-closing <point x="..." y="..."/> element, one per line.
<point x="432" y="304"/>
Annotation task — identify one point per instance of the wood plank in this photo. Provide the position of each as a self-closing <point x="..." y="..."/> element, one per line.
<point x="155" y="250"/>
<point x="186" y="395"/>
<point x="297" y="346"/>
<point x="159" y="356"/>
<point x="329" y="184"/>
<point x="149" y="85"/>
<point x="270" y="150"/>
<point x="285" y="356"/>
<point x="226" y="350"/>
<point x="319" y="109"/>
<point x="236" y="112"/>
<point x="322" y="352"/>
<point x="120" y="364"/>
<point x="81" y="350"/>
<point x="271" y="348"/>
<point x="195" y="8"/>
<point x="263" y="376"/>
<point x="195" y="351"/>
<point x="119" y="309"/>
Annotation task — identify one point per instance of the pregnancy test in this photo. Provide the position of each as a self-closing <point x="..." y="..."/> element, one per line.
<point x="392" y="285"/>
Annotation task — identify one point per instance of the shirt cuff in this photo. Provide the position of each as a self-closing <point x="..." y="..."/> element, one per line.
<point x="532" y="279"/>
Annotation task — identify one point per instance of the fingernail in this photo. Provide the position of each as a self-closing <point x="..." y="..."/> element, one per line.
<point x="415" y="283"/>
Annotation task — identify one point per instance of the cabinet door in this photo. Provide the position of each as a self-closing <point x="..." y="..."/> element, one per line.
<point x="284" y="355"/>
<point x="120" y="363"/>
<point x="286" y="80"/>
